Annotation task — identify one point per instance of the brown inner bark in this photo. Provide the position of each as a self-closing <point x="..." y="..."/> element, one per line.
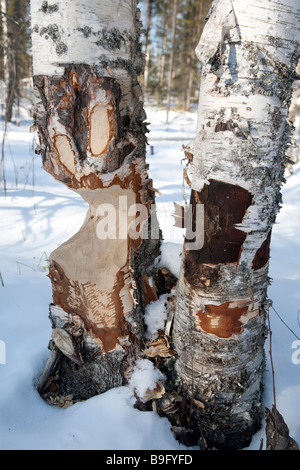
<point x="222" y="320"/>
<point x="262" y="255"/>
<point x="224" y="206"/>
<point x="77" y="299"/>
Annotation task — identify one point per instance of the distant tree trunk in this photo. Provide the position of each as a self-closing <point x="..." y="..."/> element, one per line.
<point x="15" y="39"/>
<point x="162" y="59"/>
<point x="249" y="53"/>
<point x="15" y="45"/>
<point x="171" y="61"/>
<point x="294" y="116"/>
<point x="147" y="43"/>
<point x="195" y="19"/>
<point x="190" y="74"/>
<point x="8" y="68"/>
<point x="90" y="120"/>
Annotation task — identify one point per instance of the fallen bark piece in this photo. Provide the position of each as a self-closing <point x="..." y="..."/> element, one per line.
<point x="277" y="432"/>
<point x="159" y="347"/>
<point x="50" y="364"/>
<point x="61" y="401"/>
<point x="63" y="341"/>
<point x="154" y="394"/>
<point x="169" y="406"/>
<point x="198" y="403"/>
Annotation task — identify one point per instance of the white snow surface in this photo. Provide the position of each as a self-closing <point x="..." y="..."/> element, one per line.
<point x="145" y="377"/>
<point x="37" y="214"/>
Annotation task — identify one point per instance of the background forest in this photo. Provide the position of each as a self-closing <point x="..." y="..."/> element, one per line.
<point x="171" y="32"/>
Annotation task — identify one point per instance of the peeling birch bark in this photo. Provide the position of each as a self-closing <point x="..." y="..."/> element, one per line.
<point x="90" y="120"/>
<point x="249" y="53"/>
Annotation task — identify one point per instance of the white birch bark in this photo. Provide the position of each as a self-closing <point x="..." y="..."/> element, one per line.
<point x="89" y="114"/>
<point x="249" y="52"/>
<point x="6" y="65"/>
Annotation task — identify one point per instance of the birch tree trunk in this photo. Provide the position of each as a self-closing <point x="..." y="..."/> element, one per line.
<point x="249" y="53"/>
<point x="90" y="120"/>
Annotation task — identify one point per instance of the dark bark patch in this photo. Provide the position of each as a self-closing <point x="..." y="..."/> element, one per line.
<point x="222" y="127"/>
<point x="46" y="8"/>
<point x="111" y="39"/>
<point x="150" y="293"/>
<point x="52" y="31"/>
<point x="262" y="255"/>
<point x="276" y="122"/>
<point x="222" y="320"/>
<point x="224" y="206"/>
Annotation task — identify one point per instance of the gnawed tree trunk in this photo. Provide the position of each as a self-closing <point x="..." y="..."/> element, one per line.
<point x="249" y="53"/>
<point x="90" y="120"/>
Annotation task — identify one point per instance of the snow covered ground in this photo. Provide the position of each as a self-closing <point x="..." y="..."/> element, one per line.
<point x="38" y="214"/>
